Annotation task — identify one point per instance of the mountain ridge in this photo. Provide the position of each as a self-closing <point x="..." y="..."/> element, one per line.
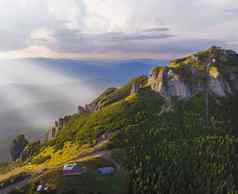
<point x="153" y="116"/>
<point x="178" y="80"/>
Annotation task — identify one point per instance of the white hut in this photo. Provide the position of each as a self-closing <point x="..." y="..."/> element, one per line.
<point x="73" y="169"/>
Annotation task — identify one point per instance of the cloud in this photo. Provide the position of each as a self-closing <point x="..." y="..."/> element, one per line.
<point x="92" y="27"/>
<point x="102" y="42"/>
<point x="164" y="29"/>
<point x="231" y="11"/>
<point x="12" y="41"/>
<point x="42" y="36"/>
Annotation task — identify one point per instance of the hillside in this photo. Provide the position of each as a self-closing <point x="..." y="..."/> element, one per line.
<point x="34" y="104"/>
<point x="174" y="131"/>
<point x="183" y="79"/>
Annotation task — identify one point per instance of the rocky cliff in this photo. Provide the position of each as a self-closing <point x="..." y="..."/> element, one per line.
<point x="215" y="70"/>
<point x="58" y="125"/>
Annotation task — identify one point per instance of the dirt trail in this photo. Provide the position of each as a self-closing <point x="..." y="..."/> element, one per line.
<point x="104" y="154"/>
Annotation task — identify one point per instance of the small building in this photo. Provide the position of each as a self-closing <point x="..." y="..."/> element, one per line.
<point x="73" y="169"/>
<point x="106" y="170"/>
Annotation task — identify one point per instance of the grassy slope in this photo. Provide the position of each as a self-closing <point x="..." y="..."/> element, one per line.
<point x="117" y="116"/>
<point x="87" y="127"/>
<point x="141" y="111"/>
<point x="80" y="134"/>
<point x="52" y="174"/>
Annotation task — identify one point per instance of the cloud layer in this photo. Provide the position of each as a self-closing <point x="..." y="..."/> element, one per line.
<point x="114" y="29"/>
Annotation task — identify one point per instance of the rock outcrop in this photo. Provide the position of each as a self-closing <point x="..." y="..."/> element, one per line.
<point x="215" y="70"/>
<point x="17" y="147"/>
<point x="58" y="125"/>
<point x="168" y="83"/>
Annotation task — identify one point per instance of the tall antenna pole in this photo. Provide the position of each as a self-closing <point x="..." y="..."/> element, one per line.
<point x="207" y="95"/>
<point x="211" y="61"/>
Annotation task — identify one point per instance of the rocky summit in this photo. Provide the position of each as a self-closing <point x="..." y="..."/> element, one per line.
<point x="187" y="76"/>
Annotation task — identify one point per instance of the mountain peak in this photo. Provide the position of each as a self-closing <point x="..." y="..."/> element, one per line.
<point x="214" y="55"/>
<point x="187" y="76"/>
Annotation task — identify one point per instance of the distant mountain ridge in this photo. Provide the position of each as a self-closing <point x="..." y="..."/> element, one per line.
<point x="111" y="70"/>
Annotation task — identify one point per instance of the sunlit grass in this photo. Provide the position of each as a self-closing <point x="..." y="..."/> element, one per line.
<point x="213" y="72"/>
<point x="55" y="157"/>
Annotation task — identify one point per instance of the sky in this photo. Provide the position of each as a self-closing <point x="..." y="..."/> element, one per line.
<point x="118" y="29"/>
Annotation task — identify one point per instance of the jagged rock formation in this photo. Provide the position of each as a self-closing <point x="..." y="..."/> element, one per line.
<point x="17" y="147"/>
<point x="188" y="76"/>
<point x="58" y="125"/>
<point x="168" y="83"/>
<point x="30" y="150"/>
